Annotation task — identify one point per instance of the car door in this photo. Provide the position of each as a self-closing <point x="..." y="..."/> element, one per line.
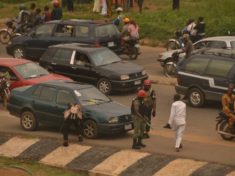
<point x="44" y="104"/>
<point x="82" y="69"/>
<point x="39" y="40"/>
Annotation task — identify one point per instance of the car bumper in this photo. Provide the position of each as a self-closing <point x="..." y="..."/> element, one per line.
<point x="128" y="84"/>
<point x="115" y="128"/>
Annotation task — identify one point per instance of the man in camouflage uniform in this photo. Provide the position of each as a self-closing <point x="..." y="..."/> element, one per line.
<point x="138" y="110"/>
<point x="150" y="101"/>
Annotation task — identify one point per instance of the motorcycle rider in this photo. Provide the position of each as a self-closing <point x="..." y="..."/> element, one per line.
<point x="124" y="32"/>
<point x="4" y="89"/>
<point x="228" y="104"/>
<point x="188" y="46"/>
<point x="150" y="101"/>
<point x="22" y="18"/>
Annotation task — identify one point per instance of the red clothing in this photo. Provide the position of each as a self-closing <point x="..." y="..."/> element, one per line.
<point x="47" y="16"/>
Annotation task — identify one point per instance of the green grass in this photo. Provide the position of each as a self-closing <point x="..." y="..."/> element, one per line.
<point x="35" y="168"/>
<point x="158" y="21"/>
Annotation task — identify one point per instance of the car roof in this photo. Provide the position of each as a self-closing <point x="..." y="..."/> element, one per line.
<point x="67" y="84"/>
<point x="222" y="38"/>
<point x="79" y="46"/>
<point x="9" y="62"/>
<point x="78" y="21"/>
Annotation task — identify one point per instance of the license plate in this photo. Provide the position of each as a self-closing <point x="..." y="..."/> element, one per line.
<point x="110" y="44"/>
<point x="128" y="127"/>
<point x="137" y="82"/>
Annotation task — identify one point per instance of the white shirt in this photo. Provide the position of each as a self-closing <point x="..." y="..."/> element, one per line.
<point x="178" y="114"/>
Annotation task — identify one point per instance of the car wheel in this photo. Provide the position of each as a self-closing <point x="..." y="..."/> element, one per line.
<point x="18" y="52"/>
<point x="28" y="121"/>
<point x="90" y="129"/>
<point x="196" y="97"/>
<point x="104" y="86"/>
<point x="5" y="37"/>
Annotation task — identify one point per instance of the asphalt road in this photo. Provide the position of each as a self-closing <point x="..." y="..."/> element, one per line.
<point x="200" y="141"/>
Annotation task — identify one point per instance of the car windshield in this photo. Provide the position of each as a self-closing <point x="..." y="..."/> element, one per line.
<point x="30" y="70"/>
<point x="104" y="57"/>
<point x="90" y="96"/>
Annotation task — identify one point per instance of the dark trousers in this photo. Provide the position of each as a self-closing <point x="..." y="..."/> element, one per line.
<point x="176" y="4"/>
<point x="148" y="114"/>
<point x="70" y="5"/>
<point x="66" y="127"/>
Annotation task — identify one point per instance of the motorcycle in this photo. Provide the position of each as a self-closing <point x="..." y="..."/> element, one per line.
<point x="131" y="48"/>
<point x="170" y="67"/>
<point x="223" y="129"/>
<point x="8" y="33"/>
<point x="175" y="43"/>
<point x="4" y="90"/>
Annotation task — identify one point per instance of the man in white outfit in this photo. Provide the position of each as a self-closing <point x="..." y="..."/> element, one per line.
<point x="177" y="120"/>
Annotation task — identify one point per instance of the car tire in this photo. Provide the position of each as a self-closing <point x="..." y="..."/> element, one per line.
<point x="28" y="121"/>
<point x="196" y="97"/>
<point x="90" y="129"/>
<point x="104" y="85"/>
<point x="5" y="37"/>
<point x="18" y="52"/>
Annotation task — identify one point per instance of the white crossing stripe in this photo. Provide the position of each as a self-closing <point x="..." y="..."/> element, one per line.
<point x="231" y="173"/>
<point x="117" y="163"/>
<point x="63" y="155"/>
<point x="16" y="145"/>
<point x="180" y="167"/>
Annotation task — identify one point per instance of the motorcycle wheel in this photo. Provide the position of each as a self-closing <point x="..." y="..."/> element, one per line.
<point x="172" y="46"/>
<point x="133" y="54"/>
<point x="225" y="128"/>
<point x="5" y="37"/>
<point x="169" y="70"/>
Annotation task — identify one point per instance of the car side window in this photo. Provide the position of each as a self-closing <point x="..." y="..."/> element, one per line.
<point x="64" y="97"/>
<point x="47" y="94"/>
<point x="63" y="55"/>
<point x="219" y="68"/>
<point x="81" y="59"/>
<point x="196" y="65"/>
<point x="217" y="44"/>
<point x="81" y="31"/>
<point x="201" y="44"/>
<point x="48" y="54"/>
<point x="64" y="30"/>
<point x="13" y="76"/>
<point x="45" y="30"/>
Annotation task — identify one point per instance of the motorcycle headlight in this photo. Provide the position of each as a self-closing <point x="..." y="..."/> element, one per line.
<point x="124" y="77"/>
<point x="113" y="120"/>
<point x="143" y="72"/>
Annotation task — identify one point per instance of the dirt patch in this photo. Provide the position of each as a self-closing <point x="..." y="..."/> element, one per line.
<point x="12" y="172"/>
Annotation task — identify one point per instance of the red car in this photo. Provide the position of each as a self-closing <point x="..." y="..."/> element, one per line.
<point x="24" y="72"/>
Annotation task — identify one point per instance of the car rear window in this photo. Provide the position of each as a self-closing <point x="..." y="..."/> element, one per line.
<point x="196" y="65"/>
<point x="106" y="30"/>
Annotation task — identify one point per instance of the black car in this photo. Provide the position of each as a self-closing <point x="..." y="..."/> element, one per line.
<point x="96" y="65"/>
<point x="45" y="103"/>
<point x="205" y="75"/>
<point x="32" y="45"/>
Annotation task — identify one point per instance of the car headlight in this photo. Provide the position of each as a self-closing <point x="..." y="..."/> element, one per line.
<point x="113" y="120"/>
<point x="124" y="77"/>
<point x="143" y="72"/>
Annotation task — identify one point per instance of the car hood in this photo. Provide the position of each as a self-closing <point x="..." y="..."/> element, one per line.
<point x="106" y="110"/>
<point x="122" y="68"/>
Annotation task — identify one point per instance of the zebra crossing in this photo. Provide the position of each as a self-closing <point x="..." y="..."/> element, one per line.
<point x="106" y="161"/>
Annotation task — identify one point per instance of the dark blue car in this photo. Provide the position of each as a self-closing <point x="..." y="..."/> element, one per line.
<point x="45" y="103"/>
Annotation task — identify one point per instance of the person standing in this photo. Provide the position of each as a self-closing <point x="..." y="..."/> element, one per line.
<point x="150" y="101"/>
<point x="138" y="110"/>
<point x="56" y="13"/>
<point x="104" y="7"/>
<point x="96" y="7"/>
<point x="177" y="120"/>
<point x="72" y="116"/>
<point x="70" y="5"/>
<point x="47" y="14"/>
<point x="175" y="4"/>
<point x="140" y="5"/>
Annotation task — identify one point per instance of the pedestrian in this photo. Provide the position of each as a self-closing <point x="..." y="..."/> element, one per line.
<point x="38" y="18"/>
<point x="138" y="110"/>
<point x="119" y="17"/>
<point x="140" y="5"/>
<point x="175" y="4"/>
<point x="150" y="101"/>
<point x="127" y="4"/>
<point x="109" y="5"/>
<point x="96" y="7"/>
<point x="56" y="13"/>
<point x="47" y="14"/>
<point x="104" y="7"/>
<point x="177" y="120"/>
<point x="32" y="12"/>
<point x="72" y="116"/>
<point x="70" y="5"/>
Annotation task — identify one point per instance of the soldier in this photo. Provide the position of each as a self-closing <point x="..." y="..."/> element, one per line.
<point x="150" y="100"/>
<point x="138" y="110"/>
<point x="72" y="115"/>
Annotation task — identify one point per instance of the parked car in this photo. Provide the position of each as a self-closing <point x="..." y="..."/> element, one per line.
<point x="96" y="65"/>
<point x="34" y="44"/>
<point x="205" y="75"/>
<point x="45" y="103"/>
<point x="221" y="42"/>
<point x="24" y="72"/>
